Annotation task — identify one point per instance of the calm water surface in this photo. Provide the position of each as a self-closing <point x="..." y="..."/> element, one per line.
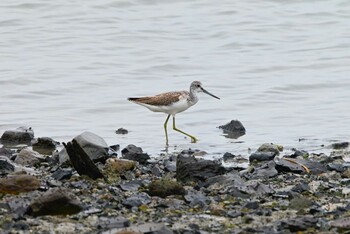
<point x="280" y="67"/>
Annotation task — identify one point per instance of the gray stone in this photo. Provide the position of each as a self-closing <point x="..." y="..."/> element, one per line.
<point x="196" y="199"/>
<point x="137" y="200"/>
<point x="133" y="185"/>
<point x="21" y="135"/>
<point x="266" y="170"/>
<point x="28" y="157"/>
<point x="93" y="145"/>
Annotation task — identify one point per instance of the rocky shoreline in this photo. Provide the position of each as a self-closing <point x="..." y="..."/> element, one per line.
<point x="90" y="187"/>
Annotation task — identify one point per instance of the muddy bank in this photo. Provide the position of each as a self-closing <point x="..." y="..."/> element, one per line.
<point x="90" y="187"/>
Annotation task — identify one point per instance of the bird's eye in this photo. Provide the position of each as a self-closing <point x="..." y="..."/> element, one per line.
<point x="198" y="85"/>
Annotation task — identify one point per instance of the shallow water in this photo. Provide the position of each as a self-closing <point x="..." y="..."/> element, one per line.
<point x="280" y="67"/>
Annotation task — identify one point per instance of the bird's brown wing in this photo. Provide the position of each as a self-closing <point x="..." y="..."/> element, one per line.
<point x="163" y="99"/>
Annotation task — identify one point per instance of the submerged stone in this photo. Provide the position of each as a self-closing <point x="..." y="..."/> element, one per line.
<point x="233" y="129"/>
<point x="28" y="157"/>
<point x="122" y="131"/>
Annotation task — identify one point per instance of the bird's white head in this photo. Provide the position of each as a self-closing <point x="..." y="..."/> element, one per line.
<point x="196" y="87"/>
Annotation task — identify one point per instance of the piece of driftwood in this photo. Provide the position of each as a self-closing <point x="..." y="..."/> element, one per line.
<point x="81" y="161"/>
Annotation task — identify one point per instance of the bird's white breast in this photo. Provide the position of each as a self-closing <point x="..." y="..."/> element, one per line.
<point x="172" y="109"/>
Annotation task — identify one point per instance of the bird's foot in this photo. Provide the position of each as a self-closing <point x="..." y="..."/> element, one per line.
<point x="194" y="140"/>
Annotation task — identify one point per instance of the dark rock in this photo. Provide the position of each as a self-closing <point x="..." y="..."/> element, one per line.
<point x="45" y="145"/>
<point x="133" y="185"/>
<point x="233" y="129"/>
<point x="191" y="169"/>
<point x="134" y="153"/>
<point x="196" y="199"/>
<point x="121" y="131"/>
<point x="6" y="166"/>
<point x="28" y="157"/>
<point x="19" y="184"/>
<point x="287" y="166"/>
<point x="165" y="187"/>
<point x="301" y="153"/>
<point x="81" y="161"/>
<point x="21" y="135"/>
<point x="55" y="201"/>
<point x="262" y="156"/>
<point x="340" y="145"/>
<point x="21" y="225"/>
<point x="115" y="147"/>
<point x="338" y="167"/>
<point x="137" y="200"/>
<point x="315" y="167"/>
<point x="252" y="205"/>
<point x="228" y="156"/>
<point x="234" y="185"/>
<point x="62" y="174"/>
<point x="269" y="147"/>
<point x="299" y="224"/>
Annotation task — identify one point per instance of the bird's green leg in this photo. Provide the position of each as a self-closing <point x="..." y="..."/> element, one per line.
<point x="166" y="132"/>
<point x="193" y="139"/>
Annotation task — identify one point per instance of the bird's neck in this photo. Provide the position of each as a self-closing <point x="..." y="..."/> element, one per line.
<point x="193" y="99"/>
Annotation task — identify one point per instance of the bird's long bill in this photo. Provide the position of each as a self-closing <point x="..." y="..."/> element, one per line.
<point x="205" y="91"/>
